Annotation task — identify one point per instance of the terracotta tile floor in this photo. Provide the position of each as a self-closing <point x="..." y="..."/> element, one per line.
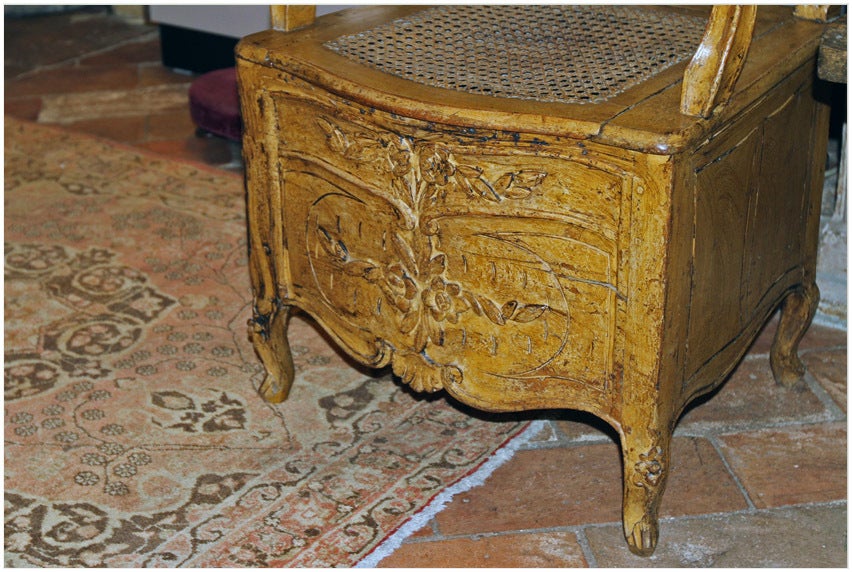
<point x="759" y="475"/>
<point x="92" y="72"/>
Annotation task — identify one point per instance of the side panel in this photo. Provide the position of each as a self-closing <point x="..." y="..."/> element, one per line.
<point x="754" y="185"/>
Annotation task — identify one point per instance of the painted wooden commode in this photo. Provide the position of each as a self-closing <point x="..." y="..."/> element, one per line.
<point x="539" y="207"/>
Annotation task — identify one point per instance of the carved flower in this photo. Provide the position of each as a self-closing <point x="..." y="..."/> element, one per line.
<point x="402" y="286"/>
<point x="649" y="469"/>
<point x="435" y="166"/>
<point x="399" y="159"/>
<point x="442" y="300"/>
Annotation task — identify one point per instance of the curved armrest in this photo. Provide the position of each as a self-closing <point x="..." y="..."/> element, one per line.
<point x="709" y="79"/>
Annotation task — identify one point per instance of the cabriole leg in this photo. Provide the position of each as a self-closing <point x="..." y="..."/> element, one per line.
<point x="797" y="312"/>
<point x="269" y="336"/>
<point x="646" y="468"/>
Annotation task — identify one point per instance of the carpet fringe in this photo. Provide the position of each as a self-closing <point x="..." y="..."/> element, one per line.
<point x="438" y="503"/>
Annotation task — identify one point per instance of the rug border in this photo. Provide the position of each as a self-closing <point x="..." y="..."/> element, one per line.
<point x="474" y="478"/>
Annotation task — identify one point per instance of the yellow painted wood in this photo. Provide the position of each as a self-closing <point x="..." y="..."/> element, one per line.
<point x="286" y="18"/>
<point x="709" y="79"/>
<point x="617" y="258"/>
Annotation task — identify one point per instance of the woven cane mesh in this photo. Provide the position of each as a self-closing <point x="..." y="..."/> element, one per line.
<point x="568" y="54"/>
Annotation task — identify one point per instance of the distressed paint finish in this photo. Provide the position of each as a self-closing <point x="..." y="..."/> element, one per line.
<point x="710" y="77"/>
<point x="616" y="259"/>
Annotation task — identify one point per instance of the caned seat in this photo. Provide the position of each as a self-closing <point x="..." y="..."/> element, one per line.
<point x="558" y="54"/>
<point x="588" y="207"/>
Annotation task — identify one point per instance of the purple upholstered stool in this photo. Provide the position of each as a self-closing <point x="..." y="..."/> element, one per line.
<point x="214" y="104"/>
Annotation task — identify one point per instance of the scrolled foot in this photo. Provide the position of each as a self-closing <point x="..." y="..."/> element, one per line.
<point x="797" y="312"/>
<point x="275" y="389"/>
<point x="269" y="336"/>
<point x="788" y="370"/>
<point x="643" y="535"/>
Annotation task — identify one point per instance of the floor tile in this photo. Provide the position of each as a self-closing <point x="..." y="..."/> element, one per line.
<point x="172" y="125"/>
<point x="749" y="396"/>
<point x="69" y="35"/>
<point x="579" y="485"/>
<point x="26" y="108"/>
<point x="541" y="489"/>
<point x="74" y="80"/>
<point x="811" y="537"/>
<point x="427" y="531"/>
<point x="822" y="337"/>
<point x="146" y="50"/>
<point x="579" y="426"/>
<point x="532" y="550"/>
<point x="150" y="75"/>
<point x="699" y="482"/>
<point x="829" y="369"/>
<point x="69" y="107"/>
<point x="122" y="129"/>
<point x="763" y="343"/>
<point x="791" y="465"/>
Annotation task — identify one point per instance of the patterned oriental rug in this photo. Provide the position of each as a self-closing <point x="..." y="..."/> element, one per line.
<point x="134" y="436"/>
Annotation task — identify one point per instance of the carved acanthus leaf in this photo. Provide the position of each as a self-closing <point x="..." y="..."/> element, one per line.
<point x="471" y="180"/>
<point x="405" y="253"/>
<point x="332" y="245"/>
<point x="421" y="168"/>
<point x="335" y="137"/>
<point x="519" y="185"/>
<point x="363" y="269"/>
<point x="421" y="375"/>
<point x="413" y="370"/>
<point x="510" y="185"/>
<point x="388" y="152"/>
<point x="510" y="311"/>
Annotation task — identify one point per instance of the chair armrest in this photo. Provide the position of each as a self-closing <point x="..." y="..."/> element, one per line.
<point x="291" y="16"/>
<point x="710" y="77"/>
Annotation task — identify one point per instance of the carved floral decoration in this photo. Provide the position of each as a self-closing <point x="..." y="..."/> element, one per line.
<point x="416" y="282"/>
<point x="649" y="469"/>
